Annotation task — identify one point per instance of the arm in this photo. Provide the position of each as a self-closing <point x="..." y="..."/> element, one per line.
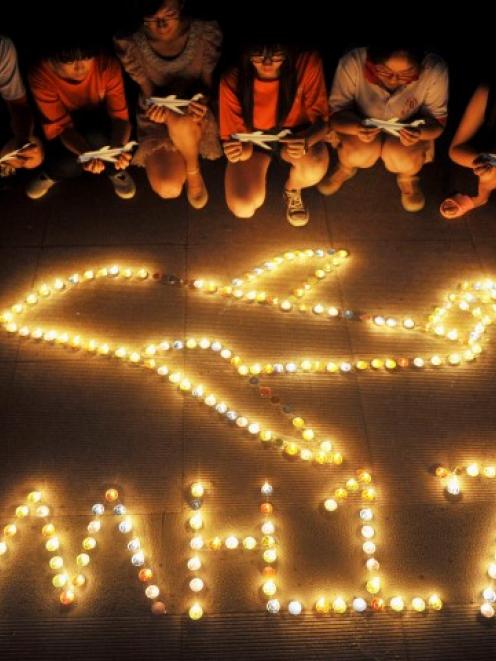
<point x="434" y="109"/>
<point x="461" y="151"/>
<point x="315" y="133"/>
<point x="115" y="100"/>
<point x="231" y="121"/>
<point x="120" y="132"/>
<point x="77" y="144"/>
<point x="346" y="121"/>
<point x="315" y="101"/>
<point x="74" y="141"/>
<point x="342" y="101"/>
<point x="432" y="128"/>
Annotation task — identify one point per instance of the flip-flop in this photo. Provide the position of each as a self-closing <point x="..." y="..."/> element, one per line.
<point x="463" y="204"/>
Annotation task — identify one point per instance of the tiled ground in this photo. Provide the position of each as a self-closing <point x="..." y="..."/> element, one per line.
<point x="72" y="425"/>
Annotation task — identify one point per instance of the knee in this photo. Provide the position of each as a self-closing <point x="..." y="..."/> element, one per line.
<point x="360" y="156"/>
<point x="167" y="190"/>
<point x="488" y="181"/>
<point x="313" y="172"/>
<point x="241" y="208"/>
<point x="399" y="160"/>
<point x="244" y="207"/>
<point x="182" y="126"/>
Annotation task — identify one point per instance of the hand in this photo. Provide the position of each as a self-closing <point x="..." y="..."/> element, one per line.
<point x="409" y="137"/>
<point x="29" y="156"/>
<point x="295" y="147"/>
<point x="367" y="133"/>
<point x="482" y="167"/>
<point x="6" y="170"/>
<point x="237" y="151"/>
<point x="197" y="109"/>
<point x="16" y="163"/>
<point x="158" y="114"/>
<point x="484" y="171"/>
<point x="95" y="166"/>
<point x="123" y="160"/>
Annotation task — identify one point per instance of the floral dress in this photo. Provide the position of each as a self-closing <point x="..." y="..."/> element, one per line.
<point x="184" y="75"/>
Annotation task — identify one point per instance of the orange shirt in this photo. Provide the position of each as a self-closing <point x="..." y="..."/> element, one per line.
<point x="310" y="102"/>
<point x="56" y="98"/>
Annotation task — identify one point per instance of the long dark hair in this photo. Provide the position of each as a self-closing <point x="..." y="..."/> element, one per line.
<point x="246" y="76"/>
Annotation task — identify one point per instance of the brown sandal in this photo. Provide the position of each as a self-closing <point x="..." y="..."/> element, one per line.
<point x="460" y="205"/>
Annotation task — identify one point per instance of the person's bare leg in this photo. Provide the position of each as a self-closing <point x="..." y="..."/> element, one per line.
<point x="353" y="154"/>
<point x="166" y="173"/>
<point x="245" y="184"/>
<point x="406" y="163"/>
<point x="486" y="185"/>
<point x="304" y="172"/>
<point x="307" y="170"/>
<point x="403" y="160"/>
<point x="186" y="135"/>
<point x="485" y="188"/>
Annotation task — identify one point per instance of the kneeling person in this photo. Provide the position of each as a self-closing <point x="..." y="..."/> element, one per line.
<point x="272" y="90"/>
<point x="79" y="92"/>
<point x="387" y="83"/>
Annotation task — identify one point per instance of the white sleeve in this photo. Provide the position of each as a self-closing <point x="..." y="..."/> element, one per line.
<point x="435" y="102"/>
<point x="344" y="85"/>
<point x="11" y="85"/>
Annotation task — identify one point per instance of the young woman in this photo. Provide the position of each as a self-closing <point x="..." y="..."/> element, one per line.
<point x="273" y="89"/>
<point x="474" y="139"/>
<point x="387" y="82"/>
<point x="172" y="54"/>
<point x="80" y="95"/>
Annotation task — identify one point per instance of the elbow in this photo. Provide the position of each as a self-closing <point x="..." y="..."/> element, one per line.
<point x="453" y="152"/>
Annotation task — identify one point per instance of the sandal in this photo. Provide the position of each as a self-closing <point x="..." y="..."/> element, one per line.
<point x="460" y="205"/>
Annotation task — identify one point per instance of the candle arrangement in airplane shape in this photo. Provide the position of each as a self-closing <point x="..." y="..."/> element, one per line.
<point x="475" y="301"/>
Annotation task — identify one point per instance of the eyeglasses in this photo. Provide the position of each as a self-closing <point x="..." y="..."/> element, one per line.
<point x="171" y="15"/>
<point x="401" y="76"/>
<point x="276" y="58"/>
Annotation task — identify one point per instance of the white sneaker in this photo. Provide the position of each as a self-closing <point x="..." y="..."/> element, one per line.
<point x="39" y="186"/>
<point x="123" y="184"/>
<point x="296" y="212"/>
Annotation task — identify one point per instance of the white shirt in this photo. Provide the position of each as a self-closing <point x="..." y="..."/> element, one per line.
<point x="428" y="95"/>
<point x="11" y="85"/>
